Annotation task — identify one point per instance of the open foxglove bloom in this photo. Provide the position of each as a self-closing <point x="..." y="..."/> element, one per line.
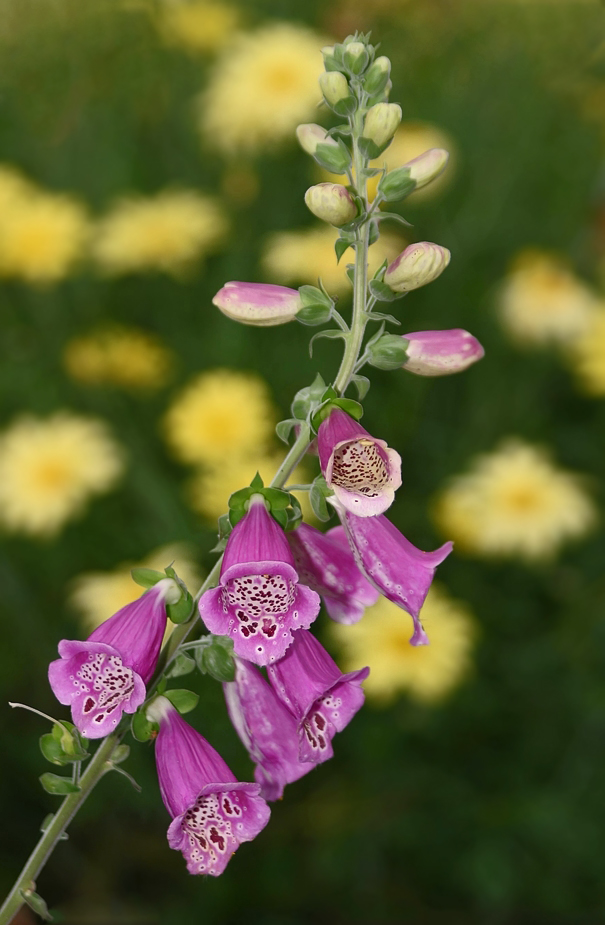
<point x="267" y="729"/>
<point x="259" y="602"/>
<point x="362" y="471"/>
<point x="212" y="812"/>
<point x="322" y="699"/>
<point x="400" y="571"/>
<point x="106" y="675"/>
<point x="324" y="561"/>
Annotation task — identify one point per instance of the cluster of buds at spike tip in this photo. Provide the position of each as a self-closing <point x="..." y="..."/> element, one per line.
<point x="331" y="203"/>
<point x="417" y="173"/>
<point x="380" y="124"/>
<point x="258" y="304"/>
<point x="418" y="265"/>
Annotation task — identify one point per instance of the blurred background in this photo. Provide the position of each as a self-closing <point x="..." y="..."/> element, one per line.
<point x="147" y="155"/>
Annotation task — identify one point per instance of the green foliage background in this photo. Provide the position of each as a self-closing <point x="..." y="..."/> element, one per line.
<point x="491" y="807"/>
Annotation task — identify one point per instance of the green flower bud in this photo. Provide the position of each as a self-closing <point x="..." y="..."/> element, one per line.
<point x="418" y="265"/>
<point x="378" y="76"/>
<point x="426" y="167"/>
<point x="337" y="94"/>
<point x="331" y="203"/>
<point x="381" y="122"/>
<point x="310" y="135"/>
<point x="356" y="57"/>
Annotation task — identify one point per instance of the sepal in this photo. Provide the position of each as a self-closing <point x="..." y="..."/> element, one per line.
<point x="182" y="700"/>
<point x="54" y="783"/>
<point x="308" y="399"/>
<point x="216" y="658"/>
<point x="317" y="497"/>
<point x="182" y="665"/>
<point x="388" y="352"/>
<point x="143" y="729"/>
<point x="36" y="904"/>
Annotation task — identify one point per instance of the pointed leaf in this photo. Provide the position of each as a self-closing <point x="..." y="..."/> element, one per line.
<point x="317" y="497"/>
<point x="182" y="665"/>
<point x="395" y="216"/>
<point x="283" y="429"/>
<point x="380" y="316"/>
<point x="382" y="292"/>
<point x="362" y="384"/>
<point x="182" y="700"/>
<point x="341" y="245"/>
<point x="53" y="783"/>
<point x="331" y="334"/>
<point x="120" y="754"/>
<point x="37" y="904"/>
<point x="257" y="482"/>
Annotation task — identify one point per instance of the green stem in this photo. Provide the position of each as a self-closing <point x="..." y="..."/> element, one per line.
<point x="50" y="838"/>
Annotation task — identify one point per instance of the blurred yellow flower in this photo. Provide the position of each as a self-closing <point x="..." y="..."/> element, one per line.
<point x="127" y="357"/>
<point x="13" y="185"/>
<point x="263" y="85"/>
<point x="381" y="640"/>
<point x="542" y="301"/>
<point x="197" y="25"/>
<point x="221" y="414"/>
<point x="98" y="595"/>
<point x="42" y="235"/>
<point x="514" y="502"/>
<point x="305" y="256"/>
<point x="410" y="140"/>
<point x="586" y="356"/>
<point x="49" y="469"/>
<point x="168" y="231"/>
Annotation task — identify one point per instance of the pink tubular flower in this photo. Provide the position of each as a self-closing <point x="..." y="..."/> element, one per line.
<point x="400" y="571"/>
<point x="258" y="304"/>
<point x="267" y="729"/>
<point x="361" y="470"/>
<point x="440" y="353"/>
<point x="106" y="675"/>
<point x="212" y="812"/>
<point x="259" y="601"/>
<point x="322" y="699"/>
<point x="324" y="562"/>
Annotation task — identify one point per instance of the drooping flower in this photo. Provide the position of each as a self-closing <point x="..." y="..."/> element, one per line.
<point x="325" y="563"/>
<point x="106" y="675"/>
<point x="317" y="693"/>
<point x="426" y="673"/>
<point x="50" y="468"/>
<point x="259" y="304"/>
<point x="361" y="470"/>
<point x="123" y="356"/>
<point x="440" y="353"/>
<point x="267" y="729"/>
<point x="212" y="812"/>
<point x="400" y="571"/>
<point x="259" y="602"/>
<point x="219" y="414"/>
<point x="515" y="502"/>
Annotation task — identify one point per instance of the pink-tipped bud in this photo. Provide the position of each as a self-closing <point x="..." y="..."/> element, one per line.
<point x="331" y="203"/>
<point x="418" y="265"/>
<point x="381" y="123"/>
<point x="310" y="135"/>
<point x="426" y="167"/>
<point x="258" y="304"/>
<point x="440" y="353"/>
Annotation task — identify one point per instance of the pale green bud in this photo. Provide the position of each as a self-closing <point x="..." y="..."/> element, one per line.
<point x="381" y="123"/>
<point x="331" y="203"/>
<point x="418" y="265"/>
<point x="355" y="57"/>
<point x="337" y="94"/>
<point x="426" y="167"/>
<point x="378" y="76"/>
<point x="310" y="135"/>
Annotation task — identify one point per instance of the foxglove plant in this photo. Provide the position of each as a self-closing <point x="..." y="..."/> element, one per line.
<point x="263" y="594"/>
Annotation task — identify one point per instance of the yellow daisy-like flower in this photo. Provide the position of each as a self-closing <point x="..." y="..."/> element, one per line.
<point x="515" y="502"/>
<point x="542" y="301"/>
<point x="410" y="140"/>
<point x="221" y="414"/>
<point x="381" y="640"/>
<point x="50" y="468"/>
<point x="199" y="25"/>
<point x="263" y="86"/>
<point x="305" y="256"/>
<point x="13" y="186"/>
<point x="42" y="235"/>
<point x="126" y="357"/>
<point x="210" y="488"/>
<point x="166" y="232"/>
<point x="98" y="595"/>
<point x="586" y="356"/>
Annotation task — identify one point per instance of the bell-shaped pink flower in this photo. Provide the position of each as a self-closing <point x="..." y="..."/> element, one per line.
<point x="361" y="470"/>
<point x="324" y="562"/>
<point x="322" y="699"/>
<point x="212" y="812"/>
<point x="440" y="353"/>
<point x="106" y="675"/>
<point x="400" y="571"/>
<point x="267" y="729"/>
<point x="259" y="601"/>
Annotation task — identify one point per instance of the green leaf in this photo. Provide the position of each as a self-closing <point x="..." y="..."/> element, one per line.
<point x="143" y="729"/>
<point x="362" y="384"/>
<point x="257" y="483"/>
<point x="311" y="295"/>
<point x="342" y="244"/>
<point x="224" y="529"/>
<point x="37" y="904"/>
<point x="382" y="292"/>
<point x="182" y="700"/>
<point x="317" y="496"/>
<point x="308" y="398"/>
<point x="52" y="783"/>
<point x="146" y="577"/>
<point x="182" y="665"/>
<point x="395" y="216"/>
<point x="120" y="754"/>
<point x="283" y="429"/>
<point x="218" y="662"/>
<point x="380" y="316"/>
<point x="331" y="334"/>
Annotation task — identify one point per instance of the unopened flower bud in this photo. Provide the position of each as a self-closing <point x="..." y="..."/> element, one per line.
<point x="337" y="94"/>
<point x="331" y="203"/>
<point x="426" y="167"/>
<point x="378" y="76"/>
<point x="381" y="122"/>
<point x="440" y="353"/>
<point x="310" y="135"/>
<point x="388" y="352"/>
<point x="258" y="304"/>
<point x="418" y="265"/>
<point x="355" y="57"/>
<point x="396" y="185"/>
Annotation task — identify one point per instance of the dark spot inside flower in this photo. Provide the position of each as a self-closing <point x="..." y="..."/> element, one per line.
<point x="89" y="704"/>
